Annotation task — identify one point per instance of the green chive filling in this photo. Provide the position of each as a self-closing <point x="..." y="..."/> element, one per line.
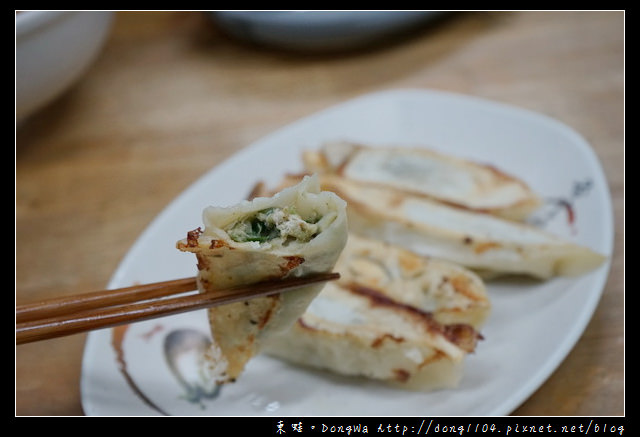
<point x="272" y="223"/>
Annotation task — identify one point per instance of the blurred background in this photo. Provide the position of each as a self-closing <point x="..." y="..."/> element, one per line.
<point x="118" y="112"/>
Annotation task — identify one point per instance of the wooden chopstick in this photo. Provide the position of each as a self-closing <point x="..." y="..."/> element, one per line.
<point x="108" y="308"/>
<point x="136" y="293"/>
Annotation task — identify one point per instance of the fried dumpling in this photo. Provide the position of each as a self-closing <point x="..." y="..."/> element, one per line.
<point x="299" y="231"/>
<point x="392" y="316"/>
<point x="424" y="172"/>
<point x="483" y="242"/>
<point x="450" y="292"/>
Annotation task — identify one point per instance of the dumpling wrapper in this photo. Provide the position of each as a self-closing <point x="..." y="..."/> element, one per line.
<point x="392" y="316"/>
<point x="425" y="172"/>
<point x="301" y="231"/>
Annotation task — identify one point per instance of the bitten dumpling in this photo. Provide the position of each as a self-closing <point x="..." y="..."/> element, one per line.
<point x="299" y="231"/>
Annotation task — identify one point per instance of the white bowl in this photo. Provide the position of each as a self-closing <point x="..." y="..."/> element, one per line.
<point x="53" y="50"/>
<point x="319" y="30"/>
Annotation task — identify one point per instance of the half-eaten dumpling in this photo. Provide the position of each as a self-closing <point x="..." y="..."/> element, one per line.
<point x="299" y="231"/>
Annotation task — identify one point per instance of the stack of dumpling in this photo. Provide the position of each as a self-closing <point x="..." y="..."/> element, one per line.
<point x="423" y="229"/>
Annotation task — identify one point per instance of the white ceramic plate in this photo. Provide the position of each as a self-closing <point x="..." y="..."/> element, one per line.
<point x="533" y="325"/>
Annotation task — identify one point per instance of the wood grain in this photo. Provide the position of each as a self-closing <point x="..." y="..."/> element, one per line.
<point x="171" y="96"/>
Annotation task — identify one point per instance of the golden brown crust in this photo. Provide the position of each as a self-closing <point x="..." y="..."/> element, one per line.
<point x="462" y="335"/>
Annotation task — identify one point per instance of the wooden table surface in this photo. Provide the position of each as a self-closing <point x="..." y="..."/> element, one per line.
<point x="171" y="96"/>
